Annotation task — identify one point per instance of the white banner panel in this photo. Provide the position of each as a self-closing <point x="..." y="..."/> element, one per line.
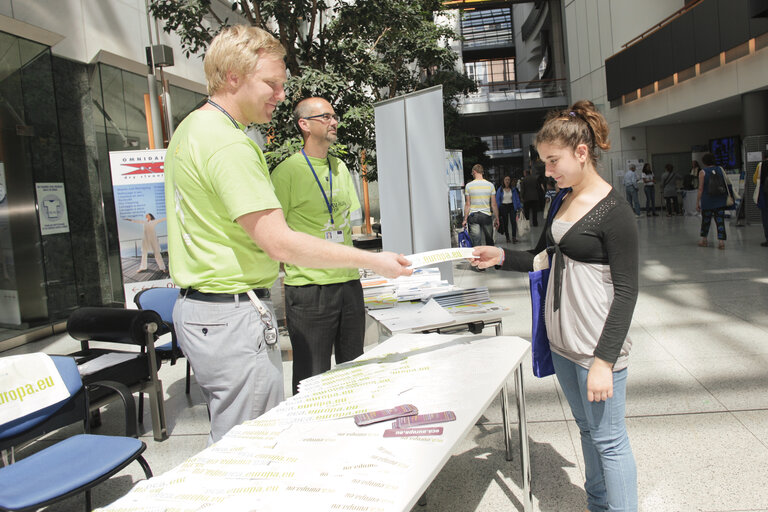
<point x="392" y="165"/>
<point x="413" y="189"/>
<point x="426" y="164"/>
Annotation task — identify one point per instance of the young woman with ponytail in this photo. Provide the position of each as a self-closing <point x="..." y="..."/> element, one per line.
<point x="590" y="298"/>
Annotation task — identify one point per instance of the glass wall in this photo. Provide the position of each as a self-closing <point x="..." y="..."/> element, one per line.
<point x="120" y="121"/>
<point x="37" y="277"/>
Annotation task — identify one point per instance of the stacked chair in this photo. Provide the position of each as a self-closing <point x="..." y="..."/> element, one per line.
<point x="70" y="466"/>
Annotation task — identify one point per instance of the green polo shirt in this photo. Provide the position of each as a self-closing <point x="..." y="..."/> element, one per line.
<point x="305" y="210"/>
<point x="214" y="174"/>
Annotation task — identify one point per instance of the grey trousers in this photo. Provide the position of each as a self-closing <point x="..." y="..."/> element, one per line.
<point x="240" y="376"/>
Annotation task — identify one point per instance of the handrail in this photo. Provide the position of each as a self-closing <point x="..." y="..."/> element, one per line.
<point x="519" y="83"/>
<point x="514" y="90"/>
<point x="663" y="22"/>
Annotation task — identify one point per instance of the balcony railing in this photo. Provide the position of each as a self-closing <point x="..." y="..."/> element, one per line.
<point x="506" y="91"/>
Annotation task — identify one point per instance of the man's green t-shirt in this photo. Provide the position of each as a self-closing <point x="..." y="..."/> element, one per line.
<point x="305" y="210"/>
<point x="214" y="174"/>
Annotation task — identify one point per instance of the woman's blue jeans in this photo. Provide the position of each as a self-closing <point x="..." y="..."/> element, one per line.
<point x="611" y="475"/>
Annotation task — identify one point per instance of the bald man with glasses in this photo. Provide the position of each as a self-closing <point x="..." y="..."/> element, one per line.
<point x="324" y="307"/>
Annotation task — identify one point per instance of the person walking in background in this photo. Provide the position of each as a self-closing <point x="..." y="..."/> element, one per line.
<point x="529" y="190"/>
<point x="669" y="190"/>
<point x="649" y="187"/>
<point x="508" y="201"/>
<point x="711" y="205"/>
<point x="760" y="179"/>
<point x="480" y="211"/>
<point x="590" y="298"/>
<point x="630" y="189"/>
<point x="149" y="241"/>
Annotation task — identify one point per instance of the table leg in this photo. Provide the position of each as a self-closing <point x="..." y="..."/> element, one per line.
<point x="525" y="456"/>
<point x="498" y="329"/>
<point x="505" y="420"/>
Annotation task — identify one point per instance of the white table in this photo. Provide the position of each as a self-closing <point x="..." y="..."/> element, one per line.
<point x="290" y="459"/>
<point x="404" y="318"/>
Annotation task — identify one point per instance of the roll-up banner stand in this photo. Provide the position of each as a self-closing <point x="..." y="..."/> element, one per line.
<point x="138" y="184"/>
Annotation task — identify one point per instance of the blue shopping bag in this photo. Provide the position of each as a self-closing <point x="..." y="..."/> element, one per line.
<point x="464" y="240"/>
<point x="540" y="352"/>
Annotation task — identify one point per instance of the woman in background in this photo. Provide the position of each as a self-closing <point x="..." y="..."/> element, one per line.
<point x="669" y="189"/>
<point x="508" y="201"/>
<point x="650" y="191"/>
<point x="711" y="205"/>
<point x="590" y="298"/>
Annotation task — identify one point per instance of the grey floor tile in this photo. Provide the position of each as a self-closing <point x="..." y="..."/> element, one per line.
<point x="698" y="462"/>
<point x="479" y="478"/>
<point x="738" y="382"/>
<point x="756" y="422"/>
<point x="666" y="387"/>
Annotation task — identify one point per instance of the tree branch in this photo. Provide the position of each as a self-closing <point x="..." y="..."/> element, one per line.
<point x="253" y="15"/>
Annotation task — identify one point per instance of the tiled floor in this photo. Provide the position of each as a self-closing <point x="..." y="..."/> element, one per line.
<point x="697" y="393"/>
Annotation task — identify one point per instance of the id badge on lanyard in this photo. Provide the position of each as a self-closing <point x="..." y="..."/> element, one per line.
<point x="335" y="235"/>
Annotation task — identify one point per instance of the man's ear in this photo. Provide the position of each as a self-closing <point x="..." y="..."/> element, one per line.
<point x="233" y="79"/>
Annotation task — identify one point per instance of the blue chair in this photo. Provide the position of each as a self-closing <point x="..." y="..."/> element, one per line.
<point x="161" y="300"/>
<point x="71" y="466"/>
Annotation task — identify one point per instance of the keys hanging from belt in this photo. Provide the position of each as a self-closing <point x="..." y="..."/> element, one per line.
<point x="270" y="331"/>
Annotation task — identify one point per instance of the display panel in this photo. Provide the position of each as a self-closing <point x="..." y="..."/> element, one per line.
<point x="727" y="151"/>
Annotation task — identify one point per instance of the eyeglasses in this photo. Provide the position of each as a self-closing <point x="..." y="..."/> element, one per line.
<point x="324" y="117"/>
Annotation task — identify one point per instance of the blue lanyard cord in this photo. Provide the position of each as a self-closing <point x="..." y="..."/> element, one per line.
<point x="210" y="101"/>
<point x="330" y="180"/>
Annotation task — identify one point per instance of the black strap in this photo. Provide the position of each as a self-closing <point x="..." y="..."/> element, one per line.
<point x="559" y="263"/>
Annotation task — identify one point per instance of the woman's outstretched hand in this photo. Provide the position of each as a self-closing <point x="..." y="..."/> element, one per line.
<point x="486" y="256"/>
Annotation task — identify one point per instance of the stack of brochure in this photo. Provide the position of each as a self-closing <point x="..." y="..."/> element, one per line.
<point x="424" y="283"/>
<point x="379" y="292"/>
<point x="462" y="297"/>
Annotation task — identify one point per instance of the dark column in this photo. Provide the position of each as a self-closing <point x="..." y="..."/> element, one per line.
<point x="755" y="113"/>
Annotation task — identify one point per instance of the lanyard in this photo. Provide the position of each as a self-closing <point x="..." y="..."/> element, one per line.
<point x="210" y="101"/>
<point x="330" y="180"/>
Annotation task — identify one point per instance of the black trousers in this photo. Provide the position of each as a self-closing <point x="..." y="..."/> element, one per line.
<point x="672" y="206"/>
<point x="531" y="208"/>
<point x="507" y="218"/>
<point x="323" y="319"/>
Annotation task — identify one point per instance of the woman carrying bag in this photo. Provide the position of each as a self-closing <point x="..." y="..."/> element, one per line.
<point x="710" y="202"/>
<point x="590" y="298"/>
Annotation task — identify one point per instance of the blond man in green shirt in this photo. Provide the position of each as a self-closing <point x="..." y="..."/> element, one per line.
<point x="226" y="232"/>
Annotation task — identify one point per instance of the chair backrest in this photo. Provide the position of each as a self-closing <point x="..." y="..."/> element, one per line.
<point x="160" y="300"/>
<point x="112" y="324"/>
<point x="67" y="369"/>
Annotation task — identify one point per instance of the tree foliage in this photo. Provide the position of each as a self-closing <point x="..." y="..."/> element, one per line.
<point x="351" y="52"/>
